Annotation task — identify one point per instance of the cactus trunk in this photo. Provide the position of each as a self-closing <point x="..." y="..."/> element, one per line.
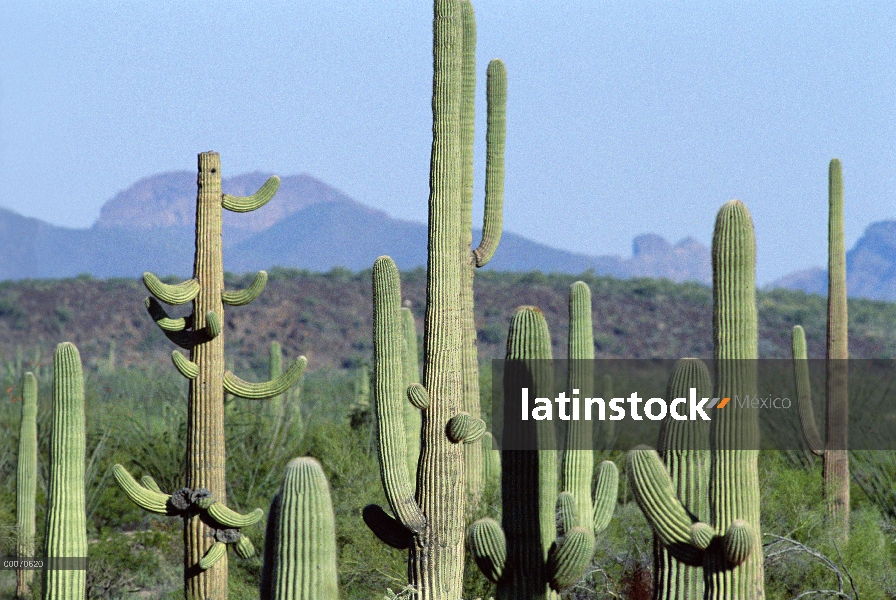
<point x="66" y="533"/>
<point x="836" y="458"/>
<point x="300" y="549"/>
<point x="26" y="484"/>
<point x="205" y="425"/>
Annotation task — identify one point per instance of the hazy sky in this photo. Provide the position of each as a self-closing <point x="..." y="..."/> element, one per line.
<point x="623" y="117"/>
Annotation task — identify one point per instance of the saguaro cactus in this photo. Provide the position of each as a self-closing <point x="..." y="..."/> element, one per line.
<point x="26" y="484"/>
<point x="496" y="96"/>
<point x="300" y="549"/>
<point x="683" y="446"/>
<point x="208" y="523"/>
<point x="66" y="535"/>
<point x="546" y="541"/>
<point x="729" y="545"/>
<point x="430" y="521"/>
<point x="835" y="470"/>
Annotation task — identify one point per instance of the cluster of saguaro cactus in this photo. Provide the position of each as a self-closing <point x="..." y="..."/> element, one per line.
<point x="300" y="544"/>
<point x="728" y="546"/>
<point x="208" y="524"/>
<point x="836" y="458"/>
<point x="429" y="516"/>
<point x="66" y="534"/>
<point x="26" y="484"/>
<point x="546" y="540"/>
<point x="496" y="95"/>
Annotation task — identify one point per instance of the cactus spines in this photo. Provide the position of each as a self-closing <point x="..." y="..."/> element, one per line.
<point x="26" y="484"/>
<point x="729" y="546"/>
<point x="203" y="503"/>
<point x="66" y="534"/>
<point x="301" y="561"/>
<point x="496" y="98"/>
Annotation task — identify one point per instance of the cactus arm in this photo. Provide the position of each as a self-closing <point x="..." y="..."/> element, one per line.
<point x="179" y="293"/>
<point x="804" y="391"/>
<point x="569" y="557"/>
<point x="255" y="201"/>
<point x="567" y="513"/>
<point x="738" y="542"/>
<point x="150" y="484"/>
<point x="655" y="495"/>
<point x="227" y="517"/>
<point x="418" y="396"/>
<point x="185" y="366"/>
<point x="464" y="428"/>
<point x="214" y="554"/>
<point x="243" y="297"/>
<point x="386" y="527"/>
<point x="496" y="132"/>
<point x="266" y="389"/>
<point x="489" y="548"/>
<point x="161" y="318"/>
<point x="605" y="494"/>
<point x="174" y="329"/>
<point x="244" y="547"/>
<point x="388" y="378"/>
<point x="146" y="498"/>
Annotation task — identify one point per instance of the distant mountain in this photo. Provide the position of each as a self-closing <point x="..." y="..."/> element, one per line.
<point x="309" y="225"/>
<point x="870" y="267"/>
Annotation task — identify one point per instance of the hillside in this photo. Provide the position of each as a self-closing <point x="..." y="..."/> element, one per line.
<point x="309" y="225"/>
<point x="327" y="317"/>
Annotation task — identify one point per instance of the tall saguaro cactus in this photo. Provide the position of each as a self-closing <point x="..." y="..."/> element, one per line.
<point x="496" y="97"/>
<point x="835" y="470"/>
<point x="66" y="533"/>
<point x="729" y="546"/>
<point x="26" y="484"/>
<point x="208" y="523"/>
<point x="430" y="516"/>
<point x="300" y="549"/>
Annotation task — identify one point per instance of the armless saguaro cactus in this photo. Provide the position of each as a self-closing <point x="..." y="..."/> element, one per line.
<point x="300" y="549"/>
<point x="496" y="97"/>
<point x="26" y="484"/>
<point x="66" y="533"/>
<point x="836" y="458"/>
<point x="546" y="540"/>
<point x="208" y="523"/>
<point x="729" y="545"/>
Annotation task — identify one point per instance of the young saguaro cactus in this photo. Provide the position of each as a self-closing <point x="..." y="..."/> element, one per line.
<point x="208" y="523"/>
<point x="546" y="541"/>
<point x="300" y="549"/>
<point x="728" y="545"/>
<point x="835" y="470"/>
<point x="496" y="97"/>
<point x="26" y="484"/>
<point x="66" y="535"/>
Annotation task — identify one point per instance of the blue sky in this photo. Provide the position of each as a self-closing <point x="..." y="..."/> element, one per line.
<point x="623" y="117"/>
